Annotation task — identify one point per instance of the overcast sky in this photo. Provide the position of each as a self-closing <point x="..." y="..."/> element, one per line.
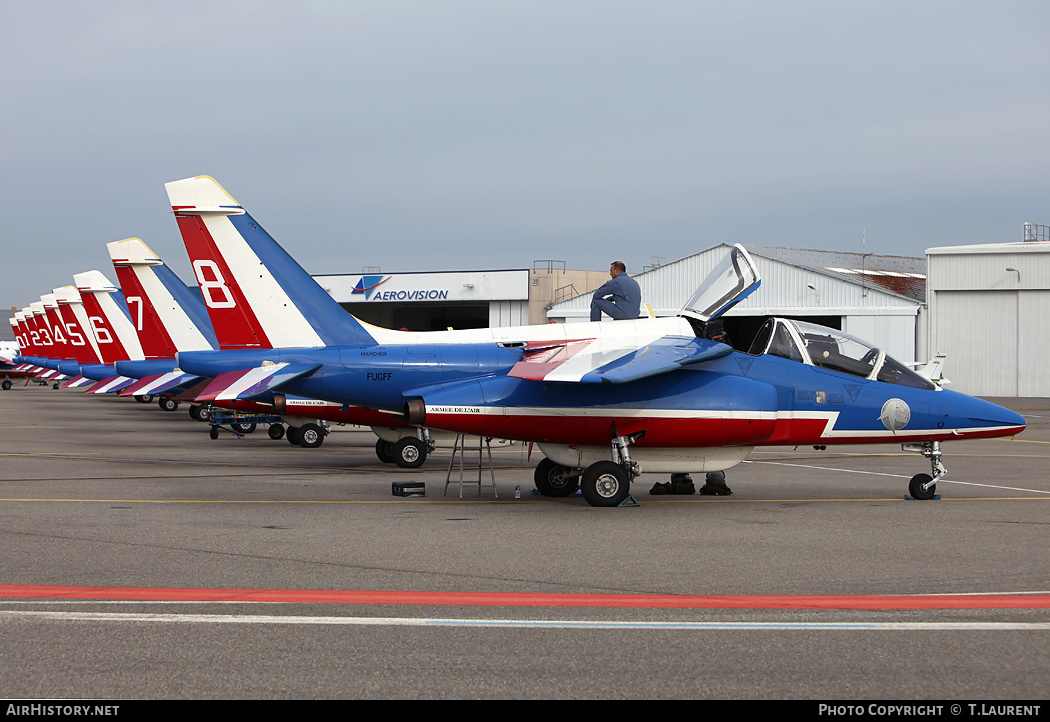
<point x="481" y="134"/>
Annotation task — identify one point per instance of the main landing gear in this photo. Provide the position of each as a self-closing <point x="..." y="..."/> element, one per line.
<point x="924" y="486"/>
<point x="603" y="483"/>
<point x="308" y="436"/>
<point x="408" y="452"/>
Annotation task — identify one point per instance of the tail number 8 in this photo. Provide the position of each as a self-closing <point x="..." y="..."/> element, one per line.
<point x="214" y="290"/>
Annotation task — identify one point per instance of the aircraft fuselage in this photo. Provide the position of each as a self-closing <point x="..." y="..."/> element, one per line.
<point x="737" y="400"/>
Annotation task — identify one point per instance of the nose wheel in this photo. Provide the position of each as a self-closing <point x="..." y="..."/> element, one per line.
<point x="924" y="486"/>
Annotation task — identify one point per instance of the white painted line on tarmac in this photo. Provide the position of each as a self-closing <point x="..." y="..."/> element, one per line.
<point x="828" y="468"/>
<point x="125" y="617"/>
<point x="899" y="476"/>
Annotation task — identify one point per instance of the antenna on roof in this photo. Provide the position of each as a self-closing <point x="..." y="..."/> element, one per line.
<point x="863" y="258"/>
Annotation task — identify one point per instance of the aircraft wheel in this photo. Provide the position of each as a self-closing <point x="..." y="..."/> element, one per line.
<point x="293" y="435"/>
<point x="410" y="453"/>
<point x="605" y="483"/>
<point x="144" y="399"/>
<point x="555" y="480"/>
<point x="167" y="403"/>
<point x="214" y="432"/>
<point x="275" y="431"/>
<point x="310" y="436"/>
<point x="385" y="451"/>
<point x="243" y="428"/>
<point x="915" y="487"/>
<point x="7" y="384"/>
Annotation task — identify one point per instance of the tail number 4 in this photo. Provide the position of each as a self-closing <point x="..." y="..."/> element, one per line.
<point x="214" y="290"/>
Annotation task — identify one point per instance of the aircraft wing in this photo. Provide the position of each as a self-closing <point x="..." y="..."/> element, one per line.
<point x="588" y="361"/>
<point x="159" y="383"/>
<point x="246" y="383"/>
<point x="77" y="382"/>
<point x="110" y="385"/>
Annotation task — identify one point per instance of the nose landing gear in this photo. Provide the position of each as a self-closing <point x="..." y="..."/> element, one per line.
<point x="924" y="486"/>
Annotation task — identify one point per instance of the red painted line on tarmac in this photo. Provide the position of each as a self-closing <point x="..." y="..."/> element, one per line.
<point x="514" y="599"/>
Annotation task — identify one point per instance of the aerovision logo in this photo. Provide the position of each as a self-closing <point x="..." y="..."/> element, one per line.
<point x="367" y="286"/>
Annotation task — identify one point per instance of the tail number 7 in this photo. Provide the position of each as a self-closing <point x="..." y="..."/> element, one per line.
<point x="214" y="290"/>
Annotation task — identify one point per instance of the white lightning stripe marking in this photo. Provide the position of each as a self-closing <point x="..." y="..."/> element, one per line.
<point x="114" y="382"/>
<point x="248" y="380"/>
<point x="830" y="418"/>
<point x="123" y="617"/>
<point x="148" y="388"/>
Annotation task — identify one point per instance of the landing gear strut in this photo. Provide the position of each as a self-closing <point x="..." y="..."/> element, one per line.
<point x="608" y="483"/>
<point x="924" y="486"/>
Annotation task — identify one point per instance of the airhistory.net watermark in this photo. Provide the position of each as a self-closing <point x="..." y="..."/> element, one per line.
<point x="62" y="710"/>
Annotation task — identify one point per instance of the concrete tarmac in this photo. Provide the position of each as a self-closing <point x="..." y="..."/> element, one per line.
<point x="500" y="597"/>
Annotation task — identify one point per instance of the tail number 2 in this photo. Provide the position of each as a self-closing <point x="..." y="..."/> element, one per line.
<point x="214" y="290"/>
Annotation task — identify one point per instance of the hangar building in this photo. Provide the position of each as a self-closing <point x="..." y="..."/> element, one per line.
<point x="458" y="299"/>
<point x="877" y="298"/>
<point x="988" y="307"/>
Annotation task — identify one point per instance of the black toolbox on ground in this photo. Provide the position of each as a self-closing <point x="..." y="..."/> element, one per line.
<point x="408" y="488"/>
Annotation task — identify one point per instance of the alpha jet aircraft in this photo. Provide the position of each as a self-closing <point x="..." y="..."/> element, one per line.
<point x="169" y="319"/>
<point x="605" y="401"/>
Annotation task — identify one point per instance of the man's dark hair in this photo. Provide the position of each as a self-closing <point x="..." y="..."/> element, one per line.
<point x="618" y="265"/>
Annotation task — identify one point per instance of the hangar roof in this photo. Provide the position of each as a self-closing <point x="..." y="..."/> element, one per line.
<point x="883" y="285"/>
<point x="985" y="248"/>
<point x="902" y="275"/>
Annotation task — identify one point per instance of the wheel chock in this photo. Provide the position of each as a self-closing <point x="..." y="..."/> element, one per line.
<point x="909" y="497"/>
<point x="629" y="501"/>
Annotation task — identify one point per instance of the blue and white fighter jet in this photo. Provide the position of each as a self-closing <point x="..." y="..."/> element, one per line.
<point x="604" y="401"/>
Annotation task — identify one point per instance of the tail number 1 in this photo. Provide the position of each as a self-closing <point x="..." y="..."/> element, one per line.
<point x="214" y="286"/>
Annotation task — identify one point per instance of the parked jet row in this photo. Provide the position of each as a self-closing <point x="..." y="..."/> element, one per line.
<point x="167" y="318"/>
<point x="604" y="401"/>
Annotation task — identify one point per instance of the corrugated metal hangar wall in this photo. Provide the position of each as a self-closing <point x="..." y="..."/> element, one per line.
<point x="876" y="298"/>
<point x="989" y="307"/>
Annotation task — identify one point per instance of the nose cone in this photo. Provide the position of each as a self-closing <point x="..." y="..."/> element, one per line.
<point x="983" y="418"/>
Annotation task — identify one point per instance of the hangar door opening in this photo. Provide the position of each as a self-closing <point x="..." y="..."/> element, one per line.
<point x="421" y="316"/>
<point x="743" y="329"/>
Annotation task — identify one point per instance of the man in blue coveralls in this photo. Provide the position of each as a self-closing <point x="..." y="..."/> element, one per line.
<point x="619" y="297"/>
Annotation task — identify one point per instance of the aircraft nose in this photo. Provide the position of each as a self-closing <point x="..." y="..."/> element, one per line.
<point x="992" y="414"/>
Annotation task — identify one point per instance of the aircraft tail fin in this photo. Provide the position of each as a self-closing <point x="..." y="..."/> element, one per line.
<point x="166" y="315"/>
<point x="108" y="317"/>
<point x="77" y="326"/>
<point x="256" y="294"/>
<point x="933" y="370"/>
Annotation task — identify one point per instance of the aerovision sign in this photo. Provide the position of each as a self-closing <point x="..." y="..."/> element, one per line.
<point x="476" y="286"/>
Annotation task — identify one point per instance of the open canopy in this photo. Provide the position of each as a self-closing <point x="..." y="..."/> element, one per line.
<point x="730" y="282"/>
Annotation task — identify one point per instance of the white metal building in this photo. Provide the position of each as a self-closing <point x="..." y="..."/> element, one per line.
<point x="877" y="298"/>
<point x="989" y="307"/>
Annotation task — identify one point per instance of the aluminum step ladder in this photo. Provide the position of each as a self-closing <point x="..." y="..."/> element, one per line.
<point x="459" y="450"/>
